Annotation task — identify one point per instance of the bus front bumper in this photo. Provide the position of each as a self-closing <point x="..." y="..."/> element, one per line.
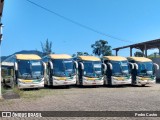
<point x="120" y="81"/>
<point x="93" y="82"/>
<point x="31" y="85"/>
<point x="63" y="82"/>
<point x="144" y="82"/>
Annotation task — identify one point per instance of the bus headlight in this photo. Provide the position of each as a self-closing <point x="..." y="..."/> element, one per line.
<point x="139" y="78"/>
<point x="54" y="78"/>
<point x="21" y="81"/>
<point x="84" y="78"/>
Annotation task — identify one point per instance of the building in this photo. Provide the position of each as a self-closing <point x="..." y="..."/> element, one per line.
<point x="1" y="11"/>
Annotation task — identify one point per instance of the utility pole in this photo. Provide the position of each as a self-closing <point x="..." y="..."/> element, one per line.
<point x="1" y="35"/>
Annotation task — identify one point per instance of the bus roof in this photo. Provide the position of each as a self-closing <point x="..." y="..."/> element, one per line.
<point x="27" y="57"/>
<point x="114" y="58"/>
<point x="7" y="64"/>
<point x="60" y="56"/>
<point x="89" y="58"/>
<point x="139" y="59"/>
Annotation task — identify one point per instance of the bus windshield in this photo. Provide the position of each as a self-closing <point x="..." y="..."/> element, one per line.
<point x="63" y="67"/>
<point x="92" y="69"/>
<point x="120" y="67"/>
<point x="30" y="69"/>
<point x="145" y="68"/>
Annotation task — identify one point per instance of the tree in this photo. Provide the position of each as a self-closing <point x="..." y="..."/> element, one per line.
<point x="74" y="55"/>
<point x="101" y="48"/>
<point x="138" y="54"/>
<point x="46" y="47"/>
<point x="81" y="53"/>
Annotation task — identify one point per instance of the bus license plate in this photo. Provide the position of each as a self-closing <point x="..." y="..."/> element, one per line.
<point x="122" y="82"/>
<point x="65" y="82"/>
<point x="31" y="85"/>
<point x="94" y="83"/>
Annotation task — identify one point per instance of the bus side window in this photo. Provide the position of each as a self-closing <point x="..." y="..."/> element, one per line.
<point x="80" y="71"/>
<point x="154" y="70"/>
<point x="4" y="72"/>
<point x="47" y="68"/>
<point x="130" y="68"/>
<point x="108" y="71"/>
<point x="102" y="69"/>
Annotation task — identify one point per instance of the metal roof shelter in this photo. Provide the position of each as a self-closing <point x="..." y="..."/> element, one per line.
<point x="143" y="46"/>
<point x="1" y="6"/>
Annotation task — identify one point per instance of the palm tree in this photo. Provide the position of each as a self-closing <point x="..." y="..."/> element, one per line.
<point x="46" y="47"/>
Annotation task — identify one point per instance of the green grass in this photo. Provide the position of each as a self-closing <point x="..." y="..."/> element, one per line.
<point x="30" y="94"/>
<point x="3" y="90"/>
<point x="36" y="93"/>
<point x="17" y="91"/>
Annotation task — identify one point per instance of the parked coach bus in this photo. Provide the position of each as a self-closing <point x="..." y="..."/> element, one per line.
<point x="61" y="70"/>
<point x="28" y="71"/>
<point x="89" y="71"/>
<point x="117" y="72"/>
<point x="144" y="72"/>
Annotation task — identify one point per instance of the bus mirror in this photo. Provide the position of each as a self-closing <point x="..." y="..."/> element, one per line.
<point x="76" y="64"/>
<point x="82" y="66"/>
<point x="136" y="66"/>
<point x="44" y="64"/>
<point x="105" y="67"/>
<point x="131" y="65"/>
<point x="51" y="64"/>
<point x="156" y="65"/>
<point x="16" y="66"/>
<point x="110" y="65"/>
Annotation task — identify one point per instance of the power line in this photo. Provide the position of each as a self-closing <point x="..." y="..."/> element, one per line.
<point x="77" y="23"/>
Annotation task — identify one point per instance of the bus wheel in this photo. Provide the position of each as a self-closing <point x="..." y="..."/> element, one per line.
<point x="45" y="85"/>
<point x="143" y="85"/>
<point x="67" y="86"/>
<point x="79" y="85"/>
<point x="50" y="86"/>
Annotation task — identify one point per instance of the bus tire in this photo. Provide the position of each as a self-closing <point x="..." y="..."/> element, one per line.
<point x="143" y="85"/>
<point x="67" y="86"/>
<point x="45" y="85"/>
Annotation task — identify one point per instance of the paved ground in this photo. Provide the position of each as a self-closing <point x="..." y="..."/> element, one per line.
<point x="124" y="98"/>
